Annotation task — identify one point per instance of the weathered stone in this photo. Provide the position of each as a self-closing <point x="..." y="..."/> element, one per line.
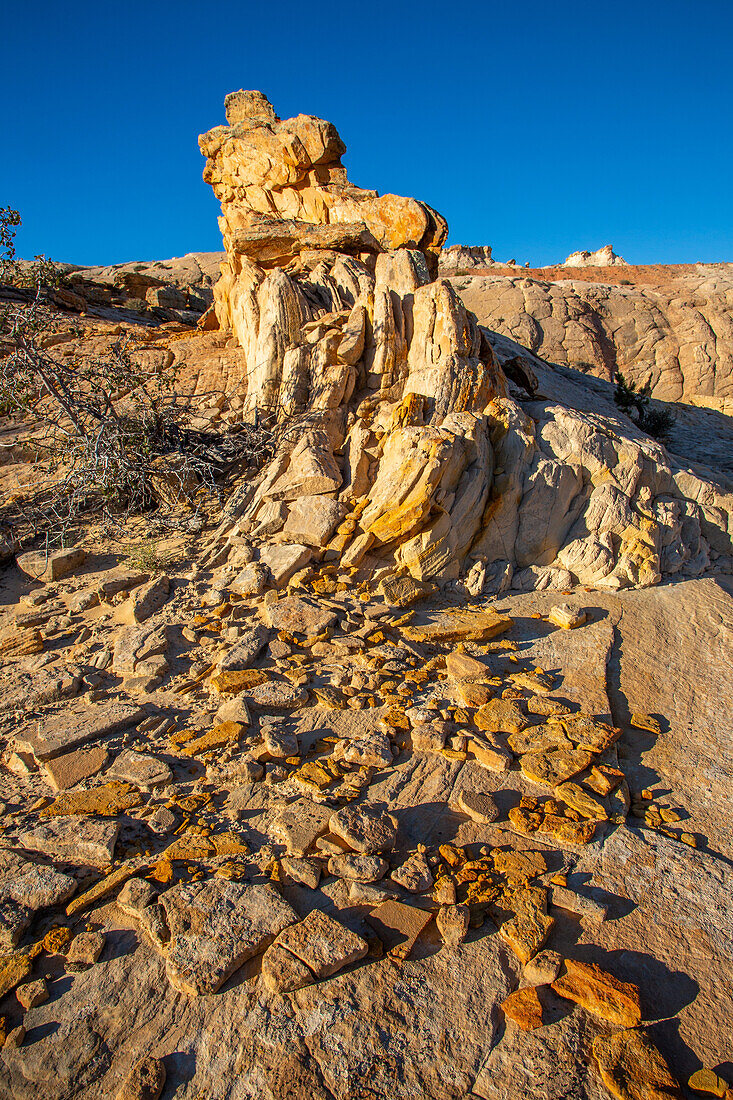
<point x="456" y="626"/>
<point x="149" y="598"/>
<point x="300" y="872"/>
<point x="322" y="943"/>
<point x="252" y="580"/>
<point x="518" y="867"/>
<point x="62" y="772"/>
<point x="285" y="560"/>
<point x="500" y="716"/>
<point x="365" y="829"/>
<point x="530" y="926"/>
<point x="580" y="904"/>
<point x="543" y="968"/>
<point x="135" y="895"/>
<point x="404" y="591"/>
<point x="600" y="993"/>
<point x="13" y="969"/>
<point x="708" y="1083"/>
<point x="414" y="875"/>
<point x="581" y="801"/>
<point x="632" y="1068"/>
<point x="32" y="885"/>
<point x="453" y="922"/>
<point x="245" y="650"/>
<point x="299" y="825"/>
<point x="145" y="1081"/>
<point x="480" y="807"/>
<point x="78" y="726"/>
<point x="221" y="735"/>
<point x="277" y="696"/>
<point x="105" y="801"/>
<point x="298" y="616"/>
<point x="51" y="566"/>
<point x="490" y="754"/>
<point x="372" y="751"/>
<point x="554" y="767"/>
<point x="73" y="840"/>
<point x="84" y="950"/>
<point x="121" y="581"/>
<point x="398" y="926"/>
<point x="312" y="520"/>
<point x="523" y="1007"/>
<point x="215" y="926"/>
<point x="279" y="744"/>
<point x="567" y="617"/>
<point x="283" y="972"/>
<point x="141" y="769"/>
<point x="358" y="868"/>
<point x="459" y="666"/>
<point x="32" y="994"/>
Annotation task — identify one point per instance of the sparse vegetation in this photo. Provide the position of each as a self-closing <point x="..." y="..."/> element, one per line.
<point x="635" y="403"/>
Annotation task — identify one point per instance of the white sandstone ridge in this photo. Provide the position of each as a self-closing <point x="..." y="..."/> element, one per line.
<point x="409" y="451"/>
<point x="604" y="257"/>
<point x="462" y="257"/>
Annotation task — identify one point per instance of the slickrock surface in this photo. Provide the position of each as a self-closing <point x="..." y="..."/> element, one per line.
<point x="409" y="776"/>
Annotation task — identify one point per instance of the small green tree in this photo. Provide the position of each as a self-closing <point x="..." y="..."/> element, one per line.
<point x="635" y="403"/>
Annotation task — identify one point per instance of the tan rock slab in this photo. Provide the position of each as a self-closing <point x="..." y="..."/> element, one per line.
<point x="530" y="926"/>
<point x="32" y="994"/>
<point x="78" y="726"/>
<point x="299" y="825"/>
<point x="567" y="617"/>
<point x="283" y="972"/>
<point x="575" y="796"/>
<point x="633" y="1069"/>
<point x="277" y="696"/>
<point x="299" y="616"/>
<point x="323" y="944"/>
<point x="40" y="566"/>
<point x="500" y="716"/>
<point x="13" y="969"/>
<point x="149" y="598"/>
<point x="141" y="769"/>
<point x="480" y="807"/>
<point x="523" y="1007"/>
<point x="398" y="926"/>
<point x="460" y="625"/>
<point x="452" y="922"/>
<point x="600" y="993"/>
<point x="580" y="904"/>
<point x="84" y="950"/>
<point x="62" y="772"/>
<point x="589" y="733"/>
<point x="365" y="829"/>
<point x="300" y="872"/>
<point x="554" y="767"/>
<point x="216" y="926"/>
<point x="543" y="968"/>
<point x="358" y="868"/>
<point x="109" y="800"/>
<point x="490" y="755"/>
<point x="460" y="666"/>
<point x="707" y="1082"/>
<point x="73" y="840"/>
<point x="285" y="560"/>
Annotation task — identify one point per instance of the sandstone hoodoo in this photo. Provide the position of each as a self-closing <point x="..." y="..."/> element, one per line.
<point x="411" y="441"/>
<point x="397" y="766"/>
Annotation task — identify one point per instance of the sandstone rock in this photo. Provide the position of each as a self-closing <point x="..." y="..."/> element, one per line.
<point x="105" y="801"/>
<point x="252" y="580"/>
<point x="600" y="993"/>
<point x="84" y="950"/>
<point x="523" y="1007"/>
<point x="708" y="1083"/>
<point x="245" y="650"/>
<point x="52" y="566"/>
<point x="478" y="806"/>
<point x="73" y="840"/>
<point x="149" y="598"/>
<point x="62" y="772"/>
<point x="365" y="829"/>
<point x="215" y="927"/>
<point x="414" y="875"/>
<point x="283" y="561"/>
<point x="283" y="972"/>
<point x="530" y="926"/>
<point x="145" y="1081"/>
<point x="277" y="696"/>
<point x="633" y="1069"/>
<point x="452" y="922"/>
<point x="32" y="994"/>
<point x="543" y="968"/>
<point x="78" y="726"/>
<point x="13" y="969"/>
<point x="299" y="825"/>
<point x="554" y="767"/>
<point x="490" y="754"/>
<point x="135" y="895"/>
<point x="500" y="716"/>
<point x="141" y="769"/>
<point x="459" y="666"/>
<point x="372" y="751"/>
<point x="298" y="616"/>
<point x="322" y="943"/>
<point x="398" y="926"/>
<point x="567" y="617"/>
<point x="455" y="626"/>
<point x="312" y="520"/>
<point x="358" y="868"/>
<point x="301" y="872"/>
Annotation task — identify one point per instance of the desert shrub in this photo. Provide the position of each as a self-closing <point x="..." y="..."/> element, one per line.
<point x="635" y="403"/>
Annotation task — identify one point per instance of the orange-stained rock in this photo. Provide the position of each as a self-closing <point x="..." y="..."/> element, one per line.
<point x="524" y="1008"/>
<point x="633" y="1069"/>
<point x="600" y="993"/>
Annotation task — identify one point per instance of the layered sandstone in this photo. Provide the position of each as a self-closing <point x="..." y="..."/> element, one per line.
<point x="399" y="406"/>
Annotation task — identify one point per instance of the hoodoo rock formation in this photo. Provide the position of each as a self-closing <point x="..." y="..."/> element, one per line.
<point x="414" y="456"/>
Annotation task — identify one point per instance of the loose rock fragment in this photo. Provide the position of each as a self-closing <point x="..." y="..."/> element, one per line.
<point x="524" y="1008"/>
<point x="600" y="993"/>
<point x="398" y="926"/>
<point x="364" y="828"/>
<point x="567" y="617"/>
<point x="633" y="1069"/>
<point x="543" y="968"/>
<point x="145" y="1081"/>
<point x="322" y="943"/>
<point x="84" y="950"/>
<point x="452" y="922"/>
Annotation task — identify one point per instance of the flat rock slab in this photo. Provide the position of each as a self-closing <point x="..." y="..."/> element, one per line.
<point x="277" y="696"/>
<point x="398" y="926"/>
<point x="633" y="1069"/>
<point x="62" y="772"/>
<point x="78" y="726"/>
<point x="456" y="626"/>
<point x="600" y="993"/>
<point x="298" y="616"/>
<point x="299" y="825"/>
<point x="73" y="840"/>
<point x="33" y="885"/>
<point x="285" y="560"/>
<point x="40" y="566"/>
<point x="246" y="650"/>
<point x="364" y="828"/>
<point x="215" y="926"/>
<point x="322" y="943"/>
<point x="140" y="768"/>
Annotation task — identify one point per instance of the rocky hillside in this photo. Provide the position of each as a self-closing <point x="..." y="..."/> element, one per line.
<point x="402" y="773"/>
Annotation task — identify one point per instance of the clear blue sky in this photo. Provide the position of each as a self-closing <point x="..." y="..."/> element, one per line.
<point x="536" y="127"/>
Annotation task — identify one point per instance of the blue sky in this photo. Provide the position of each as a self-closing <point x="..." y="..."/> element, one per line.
<point x="537" y="128"/>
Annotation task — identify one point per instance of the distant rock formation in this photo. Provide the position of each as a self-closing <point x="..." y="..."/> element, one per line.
<point x="409" y="451"/>
<point x="604" y="257"/>
<point x="462" y="257"/>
